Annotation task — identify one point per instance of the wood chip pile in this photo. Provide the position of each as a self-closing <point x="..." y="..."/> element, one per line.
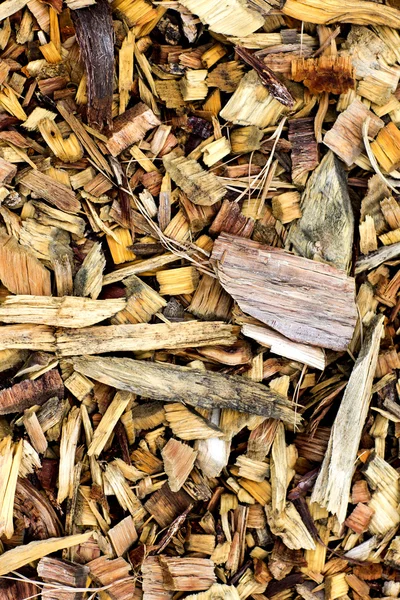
<point x="199" y="300"/>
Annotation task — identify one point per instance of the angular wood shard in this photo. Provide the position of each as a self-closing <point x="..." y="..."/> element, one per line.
<point x="20" y="271"/>
<point x="178" y="462"/>
<point x="308" y="302"/>
<point x="233" y="17"/>
<point x="332" y="487"/>
<point x="201" y="187"/>
<point x="131" y="127"/>
<point x="325" y="231"/>
<point x="197" y="388"/>
<point x="345" y="137"/>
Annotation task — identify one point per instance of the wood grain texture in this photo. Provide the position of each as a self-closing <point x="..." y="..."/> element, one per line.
<point x="325" y="231"/>
<point x="332" y="488"/>
<point x="307" y="301"/>
<point x="95" y="36"/>
<point x="197" y="388"/>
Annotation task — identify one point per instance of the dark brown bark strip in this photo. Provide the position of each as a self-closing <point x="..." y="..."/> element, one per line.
<point x="95" y="35"/>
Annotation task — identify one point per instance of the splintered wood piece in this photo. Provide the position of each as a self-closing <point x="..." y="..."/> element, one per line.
<point x="95" y="36"/>
<point x="200" y="186"/>
<point x="20" y="271"/>
<point x="332" y="11"/>
<point x="197" y="388"/>
<point x="187" y="424"/>
<point x="286" y="207"/>
<point x="275" y="87"/>
<point x="142" y="303"/>
<point x="289" y="526"/>
<point x="153" y="580"/>
<point x="178" y="462"/>
<point x="267" y="284"/>
<point x="187" y="574"/>
<point x="333" y="74"/>
<point x="37" y="509"/>
<point x="51" y="190"/>
<point x="332" y="488"/>
<point x="123" y="535"/>
<point x="251" y="104"/>
<point x="325" y="231"/>
<point x="125" y="496"/>
<point x="231" y="220"/>
<point x="22" y="555"/>
<point x="107" y="424"/>
<point x="217" y="590"/>
<point x="368" y="239"/>
<point x="359" y="519"/>
<point x="88" y="280"/>
<point x="7" y="171"/>
<point x="143" y="337"/>
<point x="68" y="311"/>
<point x="114" y="573"/>
<point x="131" y="127"/>
<point x="234" y="17"/>
<point x="210" y="301"/>
<point x="345" y="138"/>
<point x="27" y="393"/>
<point x="304" y="148"/>
<point x="34" y="431"/>
<point x="166" y="505"/>
<point x="279" y="344"/>
<point x="69" y="441"/>
<point x="56" y="571"/>
<point x="386" y="147"/>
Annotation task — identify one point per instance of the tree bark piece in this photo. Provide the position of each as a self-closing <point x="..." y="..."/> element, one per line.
<point x="307" y="301"/>
<point x="332" y="488"/>
<point x="325" y="231"/>
<point x="197" y="388"/>
<point x="304" y="148"/>
<point x="29" y="392"/>
<point x="95" y="35"/>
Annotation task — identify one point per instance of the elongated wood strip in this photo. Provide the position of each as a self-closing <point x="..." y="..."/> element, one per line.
<point x="51" y="190"/>
<point x="333" y="11"/>
<point x="22" y="555"/>
<point x="28" y="337"/>
<point x="68" y="311"/>
<point x="131" y="338"/>
<point x="116" y="338"/>
<point x="29" y="392"/>
<point x="279" y="344"/>
<point x="374" y="259"/>
<point x="150" y="264"/>
<point x="83" y="137"/>
<point x="332" y="488"/>
<point x="305" y="300"/>
<point x="95" y="36"/>
<point x="183" y="384"/>
<point x="108" y="422"/>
